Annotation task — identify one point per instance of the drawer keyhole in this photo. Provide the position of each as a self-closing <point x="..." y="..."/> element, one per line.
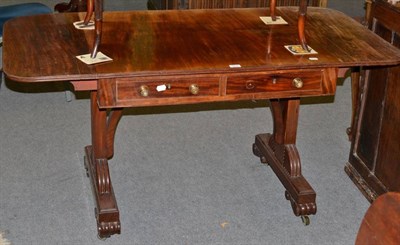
<point x="250" y="85"/>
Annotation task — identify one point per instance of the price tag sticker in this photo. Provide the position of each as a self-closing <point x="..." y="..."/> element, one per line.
<point x="80" y="25"/>
<point x="298" y="50"/>
<point x="268" y="20"/>
<point x="100" y="58"/>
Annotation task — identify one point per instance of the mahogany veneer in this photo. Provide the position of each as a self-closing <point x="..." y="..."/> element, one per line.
<point x="189" y="53"/>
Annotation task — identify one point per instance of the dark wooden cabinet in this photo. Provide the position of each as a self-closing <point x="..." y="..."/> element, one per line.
<point x="201" y="4"/>
<point x="72" y="6"/>
<point x="374" y="161"/>
<point x="80" y="5"/>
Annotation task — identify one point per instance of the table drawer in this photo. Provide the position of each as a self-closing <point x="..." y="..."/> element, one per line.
<point x="145" y="91"/>
<point x="128" y="89"/>
<point x="186" y="89"/>
<point x="275" y="82"/>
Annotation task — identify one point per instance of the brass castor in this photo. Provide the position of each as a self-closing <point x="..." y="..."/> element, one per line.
<point x="305" y="219"/>
<point x="102" y="238"/>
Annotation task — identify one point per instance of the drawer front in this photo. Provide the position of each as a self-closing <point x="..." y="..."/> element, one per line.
<point x="276" y="82"/>
<point x="167" y="90"/>
<point x="128" y="92"/>
<point x="128" y="89"/>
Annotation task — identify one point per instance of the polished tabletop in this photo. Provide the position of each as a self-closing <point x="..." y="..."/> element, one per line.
<point x="177" y="41"/>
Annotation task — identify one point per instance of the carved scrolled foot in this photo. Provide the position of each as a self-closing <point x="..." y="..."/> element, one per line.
<point x="301" y="209"/>
<point x="106" y="229"/>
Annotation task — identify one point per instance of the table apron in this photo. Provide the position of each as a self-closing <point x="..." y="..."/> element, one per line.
<point x="192" y="89"/>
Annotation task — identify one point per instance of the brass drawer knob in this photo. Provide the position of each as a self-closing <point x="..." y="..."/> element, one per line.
<point x="194" y="89"/>
<point x="144" y="91"/>
<point x="297" y="82"/>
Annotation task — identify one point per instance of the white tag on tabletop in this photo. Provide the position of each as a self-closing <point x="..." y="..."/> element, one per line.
<point x="100" y="57"/>
<point x="298" y="50"/>
<point x="81" y="26"/>
<point x="268" y="20"/>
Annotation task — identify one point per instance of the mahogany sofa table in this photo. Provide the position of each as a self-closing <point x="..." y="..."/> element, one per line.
<point x="194" y="56"/>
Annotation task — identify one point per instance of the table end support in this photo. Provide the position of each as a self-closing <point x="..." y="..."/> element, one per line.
<point x="298" y="191"/>
<point x="106" y="210"/>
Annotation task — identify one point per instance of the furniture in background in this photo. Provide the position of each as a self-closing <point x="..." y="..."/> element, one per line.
<point x="220" y="55"/>
<point x="80" y="5"/>
<point x="24" y="9"/>
<point x="72" y="6"/>
<point x="374" y="161"/>
<point x="202" y="4"/>
<point x="381" y="223"/>
<point x="16" y="10"/>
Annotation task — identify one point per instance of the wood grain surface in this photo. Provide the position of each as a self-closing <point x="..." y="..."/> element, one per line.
<point x="181" y="42"/>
